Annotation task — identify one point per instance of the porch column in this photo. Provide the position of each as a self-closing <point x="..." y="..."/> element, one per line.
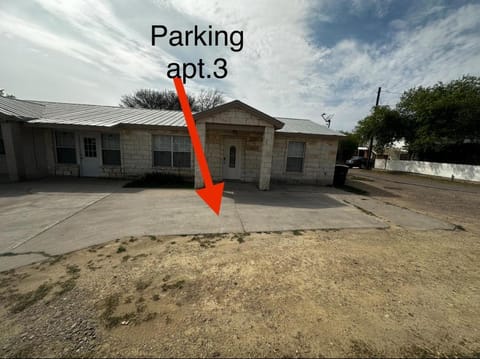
<point x="266" y="160"/>
<point x="12" y="139"/>
<point x="202" y="132"/>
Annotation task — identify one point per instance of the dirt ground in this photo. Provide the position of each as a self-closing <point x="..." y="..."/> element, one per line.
<point x="345" y="293"/>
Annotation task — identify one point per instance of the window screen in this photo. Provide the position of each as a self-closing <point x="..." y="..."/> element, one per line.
<point x="171" y="151"/>
<point x="295" y="156"/>
<point x="111" y="149"/>
<point x="162" y="151"/>
<point x="65" y="147"/>
<point x="181" y="151"/>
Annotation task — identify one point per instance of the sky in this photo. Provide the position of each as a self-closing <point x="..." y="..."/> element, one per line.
<point x="299" y="58"/>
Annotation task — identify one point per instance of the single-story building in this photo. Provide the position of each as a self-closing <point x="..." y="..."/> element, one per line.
<point x="40" y="138"/>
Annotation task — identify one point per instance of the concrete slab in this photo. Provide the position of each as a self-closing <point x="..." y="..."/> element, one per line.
<point x="29" y="208"/>
<point x="45" y="218"/>
<point x="298" y="208"/>
<point x="399" y="216"/>
<point x="125" y="213"/>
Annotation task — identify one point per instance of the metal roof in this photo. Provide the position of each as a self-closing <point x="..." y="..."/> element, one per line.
<point x="44" y="112"/>
<point x="20" y="109"/>
<point x="106" y="116"/>
<point x="295" y="125"/>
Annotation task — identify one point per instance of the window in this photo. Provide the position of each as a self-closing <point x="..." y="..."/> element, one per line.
<point x="295" y="156"/>
<point x="65" y="146"/>
<point x="181" y="151"/>
<point x="232" y="156"/>
<point x="171" y="151"/>
<point x="2" y="145"/>
<point x="111" y="149"/>
<point x="90" y="146"/>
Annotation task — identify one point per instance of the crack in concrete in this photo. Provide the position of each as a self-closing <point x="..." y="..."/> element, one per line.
<point x="42" y="253"/>
<point x="18" y="244"/>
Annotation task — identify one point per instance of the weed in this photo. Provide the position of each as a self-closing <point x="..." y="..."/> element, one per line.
<point x="73" y="270"/>
<point x="155" y="297"/>
<point x="110" y="305"/>
<point x="240" y="237"/>
<point x="176" y="285"/>
<point x="152" y="238"/>
<point x="361" y="349"/>
<point x="66" y="286"/>
<point x="297" y="232"/>
<point x="141" y="307"/>
<point x="141" y="284"/>
<point x="23" y="301"/>
<point x="139" y="256"/>
<point x="55" y="260"/>
<point x="121" y="249"/>
<point x="150" y="316"/>
<point x="132" y="239"/>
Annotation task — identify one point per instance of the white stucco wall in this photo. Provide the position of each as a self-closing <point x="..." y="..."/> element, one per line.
<point x="446" y="170"/>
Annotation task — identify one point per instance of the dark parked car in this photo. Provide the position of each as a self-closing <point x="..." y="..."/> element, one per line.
<point x="357" y="161"/>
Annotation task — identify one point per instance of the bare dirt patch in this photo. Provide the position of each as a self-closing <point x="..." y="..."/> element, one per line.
<point x="302" y="293"/>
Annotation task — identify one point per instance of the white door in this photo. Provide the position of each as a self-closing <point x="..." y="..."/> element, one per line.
<point x="91" y="155"/>
<point x="232" y="158"/>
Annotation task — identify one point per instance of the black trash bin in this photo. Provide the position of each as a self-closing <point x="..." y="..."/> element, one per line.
<point x="340" y="175"/>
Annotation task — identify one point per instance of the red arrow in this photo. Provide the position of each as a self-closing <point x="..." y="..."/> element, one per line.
<point x="212" y="193"/>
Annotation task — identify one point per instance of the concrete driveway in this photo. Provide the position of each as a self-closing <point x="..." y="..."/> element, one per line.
<point x="44" y="218"/>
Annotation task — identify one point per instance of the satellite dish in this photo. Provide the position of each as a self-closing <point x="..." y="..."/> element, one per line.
<point x="327" y="118"/>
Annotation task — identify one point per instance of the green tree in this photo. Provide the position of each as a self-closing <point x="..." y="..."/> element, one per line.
<point x="441" y="115"/>
<point x="347" y="146"/>
<point x="384" y="124"/>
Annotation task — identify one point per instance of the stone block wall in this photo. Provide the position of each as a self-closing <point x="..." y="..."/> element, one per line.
<point x="251" y="147"/>
<point x="136" y="152"/>
<point x="319" y="160"/>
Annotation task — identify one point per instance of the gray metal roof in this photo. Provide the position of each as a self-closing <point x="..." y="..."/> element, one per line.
<point x="295" y="125"/>
<point x="106" y="116"/>
<point x="20" y="109"/>
<point x="43" y="112"/>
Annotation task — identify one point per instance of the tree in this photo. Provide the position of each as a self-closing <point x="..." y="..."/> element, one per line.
<point x="347" y="146"/>
<point x="442" y="115"/>
<point x="438" y="123"/>
<point x="168" y="100"/>
<point x="4" y="94"/>
<point x="384" y="124"/>
<point x="153" y="99"/>
<point x="207" y="99"/>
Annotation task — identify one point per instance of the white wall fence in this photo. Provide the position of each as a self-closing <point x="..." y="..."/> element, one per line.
<point x="462" y="172"/>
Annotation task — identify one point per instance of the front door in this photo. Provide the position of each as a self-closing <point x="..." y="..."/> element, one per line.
<point x="90" y="156"/>
<point x="232" y="158"/>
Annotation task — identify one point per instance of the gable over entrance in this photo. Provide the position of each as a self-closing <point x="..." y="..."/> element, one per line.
<point x="229" y="114"/>
<point x="238" y="142"/>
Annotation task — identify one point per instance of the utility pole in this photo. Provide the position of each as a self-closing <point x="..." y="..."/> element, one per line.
<point x="370" y="148"/>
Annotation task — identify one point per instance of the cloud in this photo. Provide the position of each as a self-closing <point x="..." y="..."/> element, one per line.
<point x="284" y="69"/>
